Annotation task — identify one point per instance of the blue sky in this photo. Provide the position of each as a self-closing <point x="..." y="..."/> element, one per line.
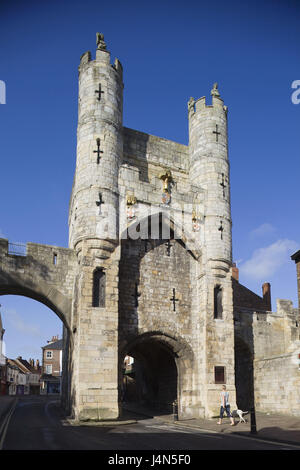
<point x="169" y="51"/>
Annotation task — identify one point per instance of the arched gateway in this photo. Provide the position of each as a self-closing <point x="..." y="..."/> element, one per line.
<point x="45" y="274"/>
<point x="163" y="372"/>
<point x="121" y="288"/>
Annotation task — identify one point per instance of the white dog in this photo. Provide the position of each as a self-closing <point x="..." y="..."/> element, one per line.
<point x="239" y="414"/>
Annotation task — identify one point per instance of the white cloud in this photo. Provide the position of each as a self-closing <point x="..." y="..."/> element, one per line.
<point x="16" y="321"/>
<point x="262" y="230"/>
<point x="265" y="262"/>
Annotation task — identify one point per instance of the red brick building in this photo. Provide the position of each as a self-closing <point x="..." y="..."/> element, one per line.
<point x="52" y="366"/>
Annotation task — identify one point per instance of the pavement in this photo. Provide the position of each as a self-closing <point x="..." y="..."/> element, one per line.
<point x="269" y="427"/>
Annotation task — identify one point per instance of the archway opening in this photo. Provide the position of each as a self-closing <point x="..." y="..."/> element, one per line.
<point x="244" y="380"/>
<point x="149" y="378"/>
<point x="32" y="347"/>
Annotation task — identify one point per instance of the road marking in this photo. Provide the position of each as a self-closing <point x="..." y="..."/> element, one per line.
<point x="4" y="426"/>
<point x="283" y="445"/>
<point x="185" y="430"/>
<point x="258" y="439"/>
<point x="195" y="428"/>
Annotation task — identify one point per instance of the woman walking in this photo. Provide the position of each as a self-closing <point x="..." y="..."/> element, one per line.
<point x="225" y="406"/>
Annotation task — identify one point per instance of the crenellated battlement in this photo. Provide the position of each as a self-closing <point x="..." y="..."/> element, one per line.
<point x="85" y="58"/>
<point x="199" y="106"/>
<point x="102" y="56"/>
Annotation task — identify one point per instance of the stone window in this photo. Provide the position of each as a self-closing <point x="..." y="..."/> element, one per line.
<point x="49" y="355"/>
<point x="218" y="302"/>
<point x="220" y="375"/>
<point x="99" y="288"/>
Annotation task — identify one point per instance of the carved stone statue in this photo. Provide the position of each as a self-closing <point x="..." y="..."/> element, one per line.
<point x="167" y="179"/>
<point x="100" y="41"/>
<point x="131" y="200"/>
<point x="195" y="221"/>
<point x="214" y="91"/>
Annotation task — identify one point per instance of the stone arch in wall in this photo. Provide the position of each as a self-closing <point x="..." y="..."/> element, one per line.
<point x="55" y="303"/>
<point x="43" y="273"/>
<point x="38" y="275"/>
<point x="244" y="379"/>
<point x="172" y="229"/>
<point x="47" y="295"/>
<point x="162" y="372"/>
<point x="156" y="279"/>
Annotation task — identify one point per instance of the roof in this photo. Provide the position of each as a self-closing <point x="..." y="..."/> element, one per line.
<point x="26" y="366"/>
<point x="296" y="256"/>
<point x="12" y="364"/>
<point x="56" y="345"/>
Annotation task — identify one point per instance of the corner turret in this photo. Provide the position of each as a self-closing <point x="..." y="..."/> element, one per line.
<point x="94" y="200"/>
<point x="209" y="169"/>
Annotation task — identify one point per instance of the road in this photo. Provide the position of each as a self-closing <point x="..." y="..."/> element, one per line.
<point x="37" y="423"/>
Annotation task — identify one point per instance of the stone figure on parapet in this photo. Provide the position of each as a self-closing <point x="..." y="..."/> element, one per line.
<point x="167" y="179"/>
<point x="214" y="91"/>
<point x="100" y="42"/>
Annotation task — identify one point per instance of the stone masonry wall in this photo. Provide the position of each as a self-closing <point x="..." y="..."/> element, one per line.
<point x="272" y="342"/>
<point x="145" y="158"/>
<point x="156" y="274"/>
<point x="277" y="384"/>
<point x="46" y="274"/>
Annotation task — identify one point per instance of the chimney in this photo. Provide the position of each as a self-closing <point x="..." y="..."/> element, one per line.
<point x="266" y="290"/>
<point x="296" y="258"/>
<point x="235" y="272"/>
<point x="54" y="338"/>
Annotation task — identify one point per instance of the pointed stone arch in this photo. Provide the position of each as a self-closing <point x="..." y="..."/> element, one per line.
<point x="40" y="291"/>
<point x="181" y="235"/>
<point x="244" y="373"/>
<point x="180" y="351"/>
<point x="37" y="276"/>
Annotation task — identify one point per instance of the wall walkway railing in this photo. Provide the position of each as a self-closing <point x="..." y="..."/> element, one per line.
<point x="17" y="249"/>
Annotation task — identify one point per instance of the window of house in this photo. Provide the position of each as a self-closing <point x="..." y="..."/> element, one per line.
<point x="49" y="355"/>
<point x="99" y="288"/>
<point x="220" y="375"/>
<point x="218" y="302"/>
<point x="49" y="369"/>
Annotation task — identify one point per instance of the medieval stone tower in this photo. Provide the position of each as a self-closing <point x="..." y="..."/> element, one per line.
<point x="165" y="298"/>
<point x="148" y="272"/>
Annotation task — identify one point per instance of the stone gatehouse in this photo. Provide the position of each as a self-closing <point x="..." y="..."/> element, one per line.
<point x="148" y="272"/>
